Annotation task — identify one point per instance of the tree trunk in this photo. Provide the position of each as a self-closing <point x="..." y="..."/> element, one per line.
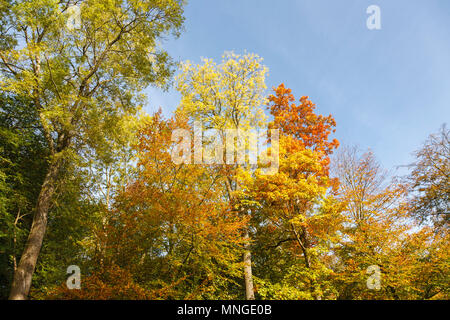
<point x="22" y="276"/>
<point x="249" y="293"/>
<point x="302" y="245"/>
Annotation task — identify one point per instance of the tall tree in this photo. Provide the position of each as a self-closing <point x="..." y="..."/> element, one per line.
<point x="430" y="180"/>
<point x="171" y="231"/>
<point x="22" y="169"/>
<point x="379" y="236"/>
<point x="294" y="208"/>
<point x="79" y="77"/>
<point x="225" y="96"/>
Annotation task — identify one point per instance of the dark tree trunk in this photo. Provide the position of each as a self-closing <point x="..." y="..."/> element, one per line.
<point x="22" y="276"/>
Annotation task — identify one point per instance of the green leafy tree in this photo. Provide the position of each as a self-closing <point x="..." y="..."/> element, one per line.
<point x="22" y="169"/>
<point x="81" y="80"/>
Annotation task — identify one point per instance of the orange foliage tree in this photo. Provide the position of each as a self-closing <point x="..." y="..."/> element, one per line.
<point x="171" y="233"/>
<point x="294" y="212"/>
<point x="412" y="262"/>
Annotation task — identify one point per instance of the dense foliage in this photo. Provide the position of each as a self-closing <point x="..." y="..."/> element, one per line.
<point x="88" y="179"/>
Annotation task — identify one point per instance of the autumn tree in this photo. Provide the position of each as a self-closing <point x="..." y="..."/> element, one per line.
<point x="80" y="80"/>
<point x="370" y="229"/>
<point x="429" y="180"/>
<point x="364" y="184"/>
<point x="225" y="96"/>
<point x="379" y="236"/>
<point x="295" y="211"/>
<point x="171" y="232"/>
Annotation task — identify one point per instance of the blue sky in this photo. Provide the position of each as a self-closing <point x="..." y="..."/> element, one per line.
<point x="388" y="89"/>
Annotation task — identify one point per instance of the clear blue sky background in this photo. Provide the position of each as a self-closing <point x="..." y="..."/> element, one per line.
<point x="388" y="89"/>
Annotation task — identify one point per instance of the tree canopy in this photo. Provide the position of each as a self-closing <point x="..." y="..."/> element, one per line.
<point x="264" y="203"/>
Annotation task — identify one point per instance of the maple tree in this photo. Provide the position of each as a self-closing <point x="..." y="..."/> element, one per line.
<point x="293" y="205"/>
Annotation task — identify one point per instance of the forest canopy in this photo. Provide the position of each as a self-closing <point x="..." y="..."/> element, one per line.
<point x="88" y="177"/>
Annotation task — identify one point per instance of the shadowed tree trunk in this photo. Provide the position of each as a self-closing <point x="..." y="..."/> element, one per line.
<point x="23" y="274"/>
